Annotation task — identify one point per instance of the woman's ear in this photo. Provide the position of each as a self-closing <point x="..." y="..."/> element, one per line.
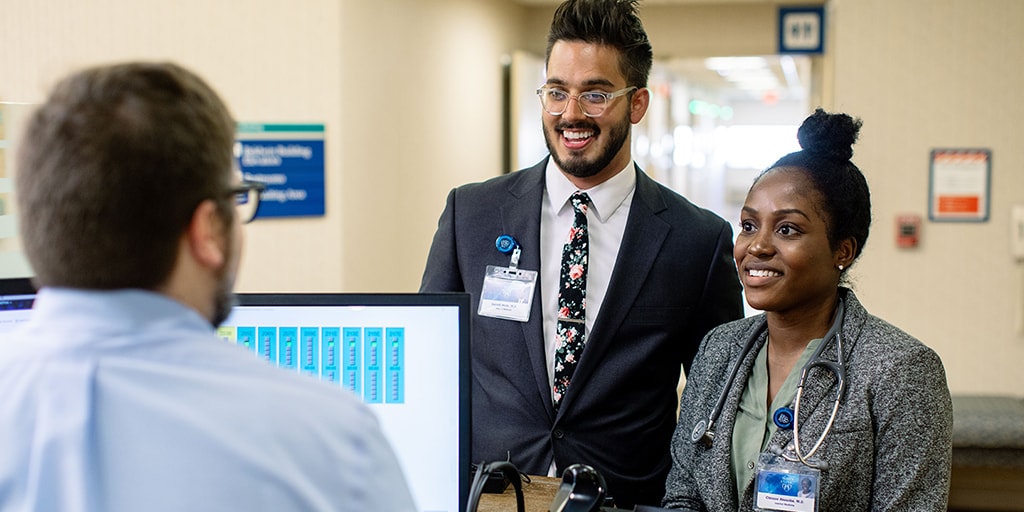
<point x="846" y="252"/>
<point x="205" y="236"/>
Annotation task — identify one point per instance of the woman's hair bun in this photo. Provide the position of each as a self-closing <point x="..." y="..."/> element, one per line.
<point x="829" y="135"/>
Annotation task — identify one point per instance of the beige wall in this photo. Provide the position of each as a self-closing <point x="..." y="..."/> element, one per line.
<point x="928" y="74"/>
<point x="272" y="61"/>
<point x="421" y="89"/>
<point x="409" y="91"/>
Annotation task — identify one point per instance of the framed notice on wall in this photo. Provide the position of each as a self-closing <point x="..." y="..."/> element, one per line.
<point x="959" y="185"/>
<point x="289" y="159"/>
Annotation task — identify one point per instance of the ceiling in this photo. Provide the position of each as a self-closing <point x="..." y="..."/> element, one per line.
<point x="765" y="78"/>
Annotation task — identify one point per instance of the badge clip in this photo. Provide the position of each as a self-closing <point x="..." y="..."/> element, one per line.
<point x="505" y="245"/>
<point x="507" y="291"/>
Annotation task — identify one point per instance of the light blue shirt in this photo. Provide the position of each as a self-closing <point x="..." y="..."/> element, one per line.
<point x="127" y="401"/>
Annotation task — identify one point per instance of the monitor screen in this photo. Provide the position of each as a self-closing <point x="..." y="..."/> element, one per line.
<point x="406" y="355"/>
<point x="16" y="299"/>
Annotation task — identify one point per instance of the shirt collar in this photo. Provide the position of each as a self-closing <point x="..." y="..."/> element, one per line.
<point x="604" y="198"/>
<point x="120" y="310"/>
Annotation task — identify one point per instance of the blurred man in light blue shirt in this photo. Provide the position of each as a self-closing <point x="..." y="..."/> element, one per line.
<point x="118" y="396"/>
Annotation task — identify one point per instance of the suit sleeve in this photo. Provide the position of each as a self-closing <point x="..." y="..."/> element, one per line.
<point x="914" y="421"/>
<point x="441" y="273"/>
<point x="722" y="300"/>
<point x="681" y="486"/>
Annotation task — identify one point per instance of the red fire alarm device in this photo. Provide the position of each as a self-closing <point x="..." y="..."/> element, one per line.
<point x="908" y="229"/>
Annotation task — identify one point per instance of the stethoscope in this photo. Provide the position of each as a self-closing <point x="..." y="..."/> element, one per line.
<point x="786" y="417"/>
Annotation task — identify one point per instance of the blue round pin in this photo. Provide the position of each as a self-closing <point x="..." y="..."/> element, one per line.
<point x="505" y="244"/>
<point x="783" y="418"/>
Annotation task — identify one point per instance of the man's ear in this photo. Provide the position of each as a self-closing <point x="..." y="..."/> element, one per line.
<point x="640" y="100"/>
<point x="205" y="236"/>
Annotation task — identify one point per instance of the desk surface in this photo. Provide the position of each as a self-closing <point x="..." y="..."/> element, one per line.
<point x="537" y="496"/>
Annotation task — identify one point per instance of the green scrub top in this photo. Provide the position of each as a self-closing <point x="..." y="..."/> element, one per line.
<point x="754" y="425"/>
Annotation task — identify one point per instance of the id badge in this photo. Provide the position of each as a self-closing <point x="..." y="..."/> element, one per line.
<point x="507" y="293"/>
<point x="784" y="485"/>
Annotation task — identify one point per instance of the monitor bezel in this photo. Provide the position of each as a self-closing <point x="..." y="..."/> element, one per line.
<point x="459" y="300"/>
<point x="17" y="286"/>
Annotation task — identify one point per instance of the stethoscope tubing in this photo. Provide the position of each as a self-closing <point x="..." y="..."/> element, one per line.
<point x="838" y="368"/>
<point x="705" y="433"/>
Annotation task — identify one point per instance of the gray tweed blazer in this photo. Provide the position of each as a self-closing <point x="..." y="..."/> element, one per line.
<point x="890" y="446"/>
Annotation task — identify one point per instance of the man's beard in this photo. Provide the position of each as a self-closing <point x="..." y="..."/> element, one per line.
<point x="580" y="167"/>
<point x="225" y="300"/>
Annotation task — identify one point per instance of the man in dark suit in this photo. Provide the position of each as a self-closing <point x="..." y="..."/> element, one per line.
<point x="658" y="274"/>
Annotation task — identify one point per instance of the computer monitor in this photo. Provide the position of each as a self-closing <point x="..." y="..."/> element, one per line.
<point x="406" y="355"/>
<point x="16" y="298"/>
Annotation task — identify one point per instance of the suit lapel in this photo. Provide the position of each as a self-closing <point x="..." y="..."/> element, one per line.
<point x="520" y="217"/>
<point x="641" y="242"/>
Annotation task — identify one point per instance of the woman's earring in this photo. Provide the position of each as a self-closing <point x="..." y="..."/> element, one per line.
<point x="840" y="267"/>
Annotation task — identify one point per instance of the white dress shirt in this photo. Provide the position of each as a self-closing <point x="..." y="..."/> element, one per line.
<point x="123" y="401"/>
<point x="606" y="222"/>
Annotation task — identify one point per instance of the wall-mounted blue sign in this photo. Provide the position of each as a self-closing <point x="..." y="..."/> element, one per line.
<point x="289" y="158"/>
<point x="802" y="30"/>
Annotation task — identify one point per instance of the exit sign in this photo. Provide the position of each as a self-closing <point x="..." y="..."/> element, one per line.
<point x="802" y="30"/>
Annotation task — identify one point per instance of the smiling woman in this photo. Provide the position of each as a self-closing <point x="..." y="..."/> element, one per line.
<point x="876" y="425"/>
<point x="783" y="251"/>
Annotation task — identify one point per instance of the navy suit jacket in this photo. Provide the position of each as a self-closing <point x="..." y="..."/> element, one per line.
<point x="674" y="279"/>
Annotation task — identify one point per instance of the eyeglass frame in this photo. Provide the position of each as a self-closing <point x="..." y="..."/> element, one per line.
<point x="244" y="188"/>
<point x="608" y="97"/>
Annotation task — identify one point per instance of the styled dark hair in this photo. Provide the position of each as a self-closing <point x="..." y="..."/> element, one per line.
<point x="613" y="23"/>
<point x="111" y="169"/>
<point x="827" y="141"/>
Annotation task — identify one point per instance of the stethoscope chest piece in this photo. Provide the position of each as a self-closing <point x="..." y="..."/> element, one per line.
<point x="783" y="418"/>
<point x="702" y="433"/>
<point x="698" y="431"/>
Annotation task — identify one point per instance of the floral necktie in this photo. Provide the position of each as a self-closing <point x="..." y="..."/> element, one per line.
<point x="572" y="299"/>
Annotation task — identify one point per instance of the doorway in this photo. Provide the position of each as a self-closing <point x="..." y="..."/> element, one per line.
<point x="715" y="123"/>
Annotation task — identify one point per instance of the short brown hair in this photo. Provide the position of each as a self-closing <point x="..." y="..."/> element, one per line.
<point x="111" y="168"/>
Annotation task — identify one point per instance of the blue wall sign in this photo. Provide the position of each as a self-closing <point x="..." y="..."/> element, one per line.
<point x="802" y="30"/>
<point x="289" y="158"/>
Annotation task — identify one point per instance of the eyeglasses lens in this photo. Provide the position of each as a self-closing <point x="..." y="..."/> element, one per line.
<point x="246" y="204"/>
<point x="555" y="103"/>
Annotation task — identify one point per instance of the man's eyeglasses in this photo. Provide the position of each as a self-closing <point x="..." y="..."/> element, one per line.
<point x="592" y="103"/>
<point x="247" y="199"/>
